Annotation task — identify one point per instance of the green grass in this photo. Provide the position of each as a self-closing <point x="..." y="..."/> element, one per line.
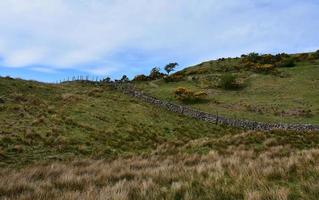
<point x="281" y="96"/>
<point x="80" y="140"/>
<point x="58" y="122"/>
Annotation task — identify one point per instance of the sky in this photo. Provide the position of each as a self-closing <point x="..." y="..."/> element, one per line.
<point x="49" y="40"/>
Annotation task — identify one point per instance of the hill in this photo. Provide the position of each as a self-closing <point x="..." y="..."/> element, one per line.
<point x="268" y="88"/>
<point x="82" y="140"/>
<point x="43" y="122"/>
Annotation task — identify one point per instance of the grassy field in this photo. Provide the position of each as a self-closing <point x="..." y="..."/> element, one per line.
<point x="286" y="95"/>
<point x="85" y="141"/>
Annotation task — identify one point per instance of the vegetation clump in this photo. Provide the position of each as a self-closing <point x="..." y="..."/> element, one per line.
<point x="187" y="95"/>
<point x="107" y="80"/>
<point x="141" y="77"/>
<point x="268" y="62"/>
<point x="124" y="79"/>
<point x="316" y="54"/>
<point x="2" y="100"/>
<point x="173" y="78"/>
<point x="230" y="82"/>
<point x="156" y="74"/>
<point x="287" y="62"/>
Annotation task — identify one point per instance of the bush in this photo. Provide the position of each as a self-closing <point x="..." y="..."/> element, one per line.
<point x="156" y="74"/>
<point x="303" y="57"/>
<point x="141" y="77"/>
<point x="263" y="67"/>
<point x="288" y="62"/>
<point x="268" y="62"/>
<point x="124" y="79"/>
<point x="229" y="82"/>
<point x="107" y="80"/>
<point x="186" y="95"/>
<point x="253" y="57"/>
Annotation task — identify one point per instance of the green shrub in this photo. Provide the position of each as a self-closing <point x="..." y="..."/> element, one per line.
<point x="288" y="62"/>
<point x="229" y="82"/>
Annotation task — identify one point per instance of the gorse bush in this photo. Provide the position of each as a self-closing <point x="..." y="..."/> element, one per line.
<point x="187" y="95"/>
<point x="268" y="62"/>
<point x="263" y="67"/>
<point x="229" y="82"/>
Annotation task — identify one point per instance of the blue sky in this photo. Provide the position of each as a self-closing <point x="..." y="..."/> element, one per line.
<point x="48" y="40"/>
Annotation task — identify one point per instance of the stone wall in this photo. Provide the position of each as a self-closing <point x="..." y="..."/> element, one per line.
<point x="190" y="112"/>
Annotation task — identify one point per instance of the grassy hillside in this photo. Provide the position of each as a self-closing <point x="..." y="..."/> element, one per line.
<point x="58" y="122"/>
<point x="266" y="93"/>
<point x="85" y="141"/>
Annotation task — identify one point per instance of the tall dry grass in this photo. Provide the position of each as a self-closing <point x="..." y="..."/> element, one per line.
<point x="278" y="173"/>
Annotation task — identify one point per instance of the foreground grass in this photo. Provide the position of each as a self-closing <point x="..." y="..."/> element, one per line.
<point x="290" y="95"/>
<point x="278" y="172"/>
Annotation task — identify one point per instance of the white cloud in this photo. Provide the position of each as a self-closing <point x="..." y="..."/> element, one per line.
<point x="88" y="35"/>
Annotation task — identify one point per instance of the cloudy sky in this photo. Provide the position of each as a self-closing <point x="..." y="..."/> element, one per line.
<point x="48" y="40"/>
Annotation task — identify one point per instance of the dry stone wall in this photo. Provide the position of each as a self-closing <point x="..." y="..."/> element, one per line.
<point x="191" y="112"/>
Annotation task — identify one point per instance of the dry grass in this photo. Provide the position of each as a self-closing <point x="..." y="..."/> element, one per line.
<point x="243" y="174"/>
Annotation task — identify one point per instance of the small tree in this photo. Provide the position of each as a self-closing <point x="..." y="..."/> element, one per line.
<point x="155" y="73"/>
<point x="170" y="67"/>
<point x="124" y="79"/>
<point x="107" y="80"/>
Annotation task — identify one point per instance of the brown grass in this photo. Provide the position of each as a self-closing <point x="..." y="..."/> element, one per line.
<point x="243" y="174"/>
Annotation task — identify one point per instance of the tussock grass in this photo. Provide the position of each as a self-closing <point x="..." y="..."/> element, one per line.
<point x="243" y="174"/>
